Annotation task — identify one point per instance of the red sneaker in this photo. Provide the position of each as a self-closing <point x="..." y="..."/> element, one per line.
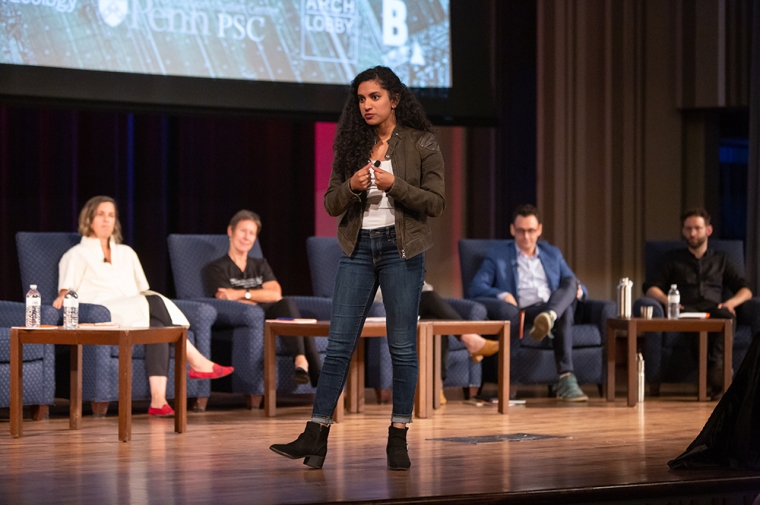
<point x="218" y="371"/>
<point x="165" y="411"/>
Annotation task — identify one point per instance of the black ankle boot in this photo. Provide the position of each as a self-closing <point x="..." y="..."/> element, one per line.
<point x="397" y="450"/>
<point x="310" y="445"/>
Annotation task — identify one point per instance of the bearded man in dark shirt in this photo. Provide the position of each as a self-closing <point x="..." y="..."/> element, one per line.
<point x="701" y="275"/>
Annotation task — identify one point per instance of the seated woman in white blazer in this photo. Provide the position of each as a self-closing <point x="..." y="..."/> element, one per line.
<point x="106" y="272"/>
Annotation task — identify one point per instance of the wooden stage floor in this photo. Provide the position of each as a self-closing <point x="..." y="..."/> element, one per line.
<point x="612" y="453"/>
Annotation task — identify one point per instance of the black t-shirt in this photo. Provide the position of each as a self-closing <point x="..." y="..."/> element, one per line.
<point x="224" y="273"/>
<point x="698" y="280"/>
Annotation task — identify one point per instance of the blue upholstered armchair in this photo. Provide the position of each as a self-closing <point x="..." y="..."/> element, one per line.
<point x="324" y="254"/>
<point x="238" y="326"/>
<point x="668" y="358"/>
<point x="39" y="361"/>
<point x="533" y="362"/>
<point x="39" y="254"/>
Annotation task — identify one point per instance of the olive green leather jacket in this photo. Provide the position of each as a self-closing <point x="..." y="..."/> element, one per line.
<point x="417" y="193"/>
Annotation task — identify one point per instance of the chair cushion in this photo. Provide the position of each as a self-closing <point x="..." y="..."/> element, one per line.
<point x="584" y="335"/>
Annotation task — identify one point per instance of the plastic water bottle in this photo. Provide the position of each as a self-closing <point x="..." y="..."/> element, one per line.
<point x="70" y="310"/>
<point x="33" y="307"/>
<point x="674" y="302"/>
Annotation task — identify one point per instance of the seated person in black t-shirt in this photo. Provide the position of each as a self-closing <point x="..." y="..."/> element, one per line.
<point x="238" y="277"/>
<point x="700" y="274"/>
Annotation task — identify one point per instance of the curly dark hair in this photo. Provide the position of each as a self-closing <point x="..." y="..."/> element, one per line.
<point x="355" y="138"/>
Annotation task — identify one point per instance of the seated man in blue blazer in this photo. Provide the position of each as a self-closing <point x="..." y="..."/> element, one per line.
<point x="532" y="276"/>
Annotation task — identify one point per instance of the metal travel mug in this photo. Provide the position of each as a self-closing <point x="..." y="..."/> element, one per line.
<point x="624" y="302"/>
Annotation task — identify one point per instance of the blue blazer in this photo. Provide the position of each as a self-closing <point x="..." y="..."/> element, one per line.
<point x="498" y="273"/>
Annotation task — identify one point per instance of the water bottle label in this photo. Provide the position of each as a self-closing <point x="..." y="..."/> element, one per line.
<point x="34" y="302"/>
<point x="70" y="302"/>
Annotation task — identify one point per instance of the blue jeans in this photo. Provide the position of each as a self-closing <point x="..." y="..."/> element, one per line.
<point x="376" y="261"/>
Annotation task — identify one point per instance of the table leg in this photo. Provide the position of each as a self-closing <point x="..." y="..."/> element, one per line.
<point x="504" y="363"/>
<point x="270" y="372"/>
<point x="75" y="387"/>
<point x="728" y="346"/>
<point x="702" y="377"/>
<point x="421" y="393"/>
<point x="354" y="394"/>
<point x="180" y="383"/>
<point x="611" y="342"/>
<point x="437" y="365"/>
<point x="631" y="365"/>
<point x="340" y="410"/>
<point x="125" y="387"/>
<point x="17" y="385"/>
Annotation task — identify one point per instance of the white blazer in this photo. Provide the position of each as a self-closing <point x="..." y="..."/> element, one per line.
<point x="120" y="286"/>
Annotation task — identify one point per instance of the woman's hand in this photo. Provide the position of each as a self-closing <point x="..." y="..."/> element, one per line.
<point x="360" y="181"/>
<point x="58" y="302"/>
<point x="383" y="179"/>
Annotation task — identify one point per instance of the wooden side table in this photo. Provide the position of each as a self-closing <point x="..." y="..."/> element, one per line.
<point x="423" y="404"/>
<point x="500" y="328"/>
<point x="632" y="326"/>
<point x="125" y="338"/>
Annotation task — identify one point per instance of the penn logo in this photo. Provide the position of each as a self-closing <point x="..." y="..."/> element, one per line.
<point x="113" y="12"/>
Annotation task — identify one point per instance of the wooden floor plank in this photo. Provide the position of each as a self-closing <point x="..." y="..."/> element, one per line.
<point x="223" y="456"/>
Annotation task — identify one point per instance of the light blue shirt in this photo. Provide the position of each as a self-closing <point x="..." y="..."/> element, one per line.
<point x="532" y="286"/>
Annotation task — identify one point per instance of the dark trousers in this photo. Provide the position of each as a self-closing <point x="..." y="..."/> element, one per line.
<point x="295" y="345"/>
<point x="715" y="346"/>
<point x="157" y="355"/>
<point x="562" y="302"/>
<point x="433" y="306"/>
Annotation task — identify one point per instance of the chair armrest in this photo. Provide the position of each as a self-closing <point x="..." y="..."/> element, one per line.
<point x="92" y="313"/>
<point x="468" y="309"/>
<point x="749" y="313"/>
<point x="595" y="312"/>
<point x="234" y="314"/>
<point x="201" y="317"/>
<point x="13" y="314"/>
<point x="498" y="310"/>
<point x="317" y="307"/>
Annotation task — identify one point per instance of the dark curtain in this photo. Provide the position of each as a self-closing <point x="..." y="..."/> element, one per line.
<point x="753" y="168"/>
<point x="169" y="174"/>
<point x="502" y="160"/>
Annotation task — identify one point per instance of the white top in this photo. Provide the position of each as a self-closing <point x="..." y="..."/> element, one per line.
<point x="120" y="286"/>
<point x="378" y="211"/>
<point x="532" y="286"/>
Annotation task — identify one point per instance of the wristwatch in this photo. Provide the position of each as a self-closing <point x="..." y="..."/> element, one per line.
<point x="247" y="294"/>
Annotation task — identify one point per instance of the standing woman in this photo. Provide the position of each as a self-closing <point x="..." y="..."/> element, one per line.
<point x="387" y="179"/>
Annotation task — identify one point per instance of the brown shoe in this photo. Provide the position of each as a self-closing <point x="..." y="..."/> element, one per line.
<point x="490" y="347"/>
<point x="542" y="325"/>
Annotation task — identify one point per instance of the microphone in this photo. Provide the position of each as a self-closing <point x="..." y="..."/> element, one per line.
<point x="372" y="182"/>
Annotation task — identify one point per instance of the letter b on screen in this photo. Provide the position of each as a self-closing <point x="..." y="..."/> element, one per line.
<point x="395" y="31"/>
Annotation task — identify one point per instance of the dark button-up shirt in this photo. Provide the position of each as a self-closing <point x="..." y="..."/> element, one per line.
<point x="700" y="279"/>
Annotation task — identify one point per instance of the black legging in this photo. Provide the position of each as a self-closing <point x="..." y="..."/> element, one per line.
<point x="157" y="355"/>
<point x="295" y="345"/>
<point x="433" y="306"/>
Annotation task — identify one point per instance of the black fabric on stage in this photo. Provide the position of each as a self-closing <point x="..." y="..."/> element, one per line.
<point x="731" y="437"/>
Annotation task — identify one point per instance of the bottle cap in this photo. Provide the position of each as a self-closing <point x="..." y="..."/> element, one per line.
<point x="33" y="286"/>
<point x="674" y="286"/>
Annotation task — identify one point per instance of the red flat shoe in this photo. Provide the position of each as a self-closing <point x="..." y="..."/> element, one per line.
<point x="165" y="411"/>
<point x="219" y="371"/>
